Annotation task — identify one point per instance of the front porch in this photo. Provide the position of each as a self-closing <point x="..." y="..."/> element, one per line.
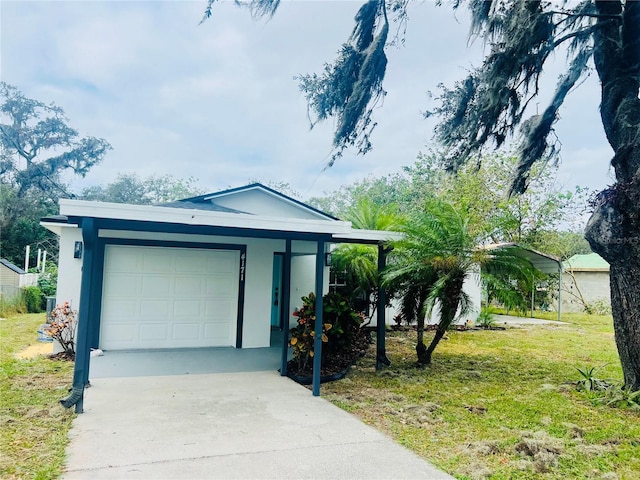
<point x="187" y="361"/>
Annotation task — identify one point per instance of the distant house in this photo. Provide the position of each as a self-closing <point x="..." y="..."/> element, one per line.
<point x="12" y="278"/>
<point x="585" y="281"/>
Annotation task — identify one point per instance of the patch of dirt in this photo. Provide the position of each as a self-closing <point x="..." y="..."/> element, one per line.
<point x="542" y="448"/>
<point x="477" y="471"/>
<point x="573" y="430"/>
<point x="70" y="357"/>
<point x="32" y="351"/>
<point x="476" y="409"/>
<point x="594" y="450"/>
<point x="484" y="448"/>
<point x="540" y="441"/>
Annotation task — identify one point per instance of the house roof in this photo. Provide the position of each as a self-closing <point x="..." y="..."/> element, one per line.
<point x="203" y="212"/>
<point x="210" y="197"/>
<point x="541" y="261"/>
<point x="11" y="266"/>
<point x="199" y="205"/>
<point x="591" y="262"/>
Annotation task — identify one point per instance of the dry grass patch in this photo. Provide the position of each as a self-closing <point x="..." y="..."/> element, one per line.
<point x="34" y="427"/>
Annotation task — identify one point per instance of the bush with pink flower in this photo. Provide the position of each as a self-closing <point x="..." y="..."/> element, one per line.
<point x="62" y="327"/>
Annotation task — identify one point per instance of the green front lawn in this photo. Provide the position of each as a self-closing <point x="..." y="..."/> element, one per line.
<point x="499" y="404"/>
<point x="494" y="404"/>
<point x="34" y="427"/>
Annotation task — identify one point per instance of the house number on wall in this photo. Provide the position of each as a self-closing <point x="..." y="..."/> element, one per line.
<point x="242" y="259"/>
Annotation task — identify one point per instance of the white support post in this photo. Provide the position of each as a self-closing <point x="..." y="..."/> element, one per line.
<point x="26" y="258"/>
<point x="560" y="293"/>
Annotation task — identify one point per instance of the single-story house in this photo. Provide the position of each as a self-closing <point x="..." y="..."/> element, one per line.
<point x="214" y="270"/>
<point x="13" y="278"/>
<point x="585" y="281"/>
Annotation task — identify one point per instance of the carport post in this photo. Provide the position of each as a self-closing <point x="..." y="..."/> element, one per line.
<point x="286" y="305"/>
<point x="381" y="321"/>
<point x="81" y="365"/>
<point x="559" y="292"/>
<point x="533" y="293"/>
<point x="317" y="341"/>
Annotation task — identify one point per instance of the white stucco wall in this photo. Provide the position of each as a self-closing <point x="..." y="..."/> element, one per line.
<point x="303" y="274"/>
<point x="69" y="268"/>
<point x="303" y="281"/>
<point x="472" y="287"/>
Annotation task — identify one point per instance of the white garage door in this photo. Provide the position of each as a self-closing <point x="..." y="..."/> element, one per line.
<point x="160" y="297"/>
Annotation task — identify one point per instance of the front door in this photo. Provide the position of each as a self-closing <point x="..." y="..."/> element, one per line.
<point x="276" y="292"/>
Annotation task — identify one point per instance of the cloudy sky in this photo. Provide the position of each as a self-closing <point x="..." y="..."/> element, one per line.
<point x="218" y="101"/>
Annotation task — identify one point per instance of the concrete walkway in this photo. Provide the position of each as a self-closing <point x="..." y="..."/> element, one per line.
<point x="253" y="425"/>
<point x="513" y="320"/>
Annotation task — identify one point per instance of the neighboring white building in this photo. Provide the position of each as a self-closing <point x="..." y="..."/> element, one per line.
<point x="584" y="282"/>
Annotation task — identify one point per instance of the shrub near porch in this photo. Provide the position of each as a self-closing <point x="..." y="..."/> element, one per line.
<point x="342" y="337"/>
<point x="501" y="404"/>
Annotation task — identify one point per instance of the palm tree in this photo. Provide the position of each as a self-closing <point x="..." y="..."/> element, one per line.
<point x="429" y="266"/>
<point x="360" y="262"/>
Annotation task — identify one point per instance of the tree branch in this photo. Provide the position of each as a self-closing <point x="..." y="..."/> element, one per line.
<point x="584" y="14"/>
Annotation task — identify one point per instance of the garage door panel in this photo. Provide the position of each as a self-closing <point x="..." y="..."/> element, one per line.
<point x="186" y="331"/>
<point x="164" y="297"/>
<point x="190" y="286"/>
<point x="159" y="286"/>
<point x="118" y="309"/>
<point x="119" y="284"/>
<point x="186" y="308"/>
<point x="123" y="262"/>
<point x="157" y="262"/>
<point x="126" y="333"/>
<point x="193" y="264"/>
<point x="153" y="332"/>
<point x="214" y="331"/>
<point x="219" y="286"/>
<point x="225" y="265"/>
<point x="155" y="309"/>
<point x="219" y="310"/>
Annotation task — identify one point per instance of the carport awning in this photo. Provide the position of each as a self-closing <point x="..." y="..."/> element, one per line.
<point x="366" y="236"/>
<point x="541" y="261"/>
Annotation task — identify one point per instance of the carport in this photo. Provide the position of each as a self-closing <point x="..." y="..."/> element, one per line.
<point x="542" y="262"/>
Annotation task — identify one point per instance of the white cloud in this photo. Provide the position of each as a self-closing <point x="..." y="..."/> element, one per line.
<point x="218" y="101"/>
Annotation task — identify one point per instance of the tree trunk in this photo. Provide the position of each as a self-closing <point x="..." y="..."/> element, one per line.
<point x="421" y="349"/>
<point x="428" y="352"/>
<point x="449" y="303"/>
<point x="613" y="230"/>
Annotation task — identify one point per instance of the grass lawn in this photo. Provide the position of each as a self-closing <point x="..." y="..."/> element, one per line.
<point x="498" y="403"/>
<point x="34" y="427"/>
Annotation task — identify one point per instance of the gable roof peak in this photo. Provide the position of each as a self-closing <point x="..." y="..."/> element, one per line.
<point x="211" y="197"/>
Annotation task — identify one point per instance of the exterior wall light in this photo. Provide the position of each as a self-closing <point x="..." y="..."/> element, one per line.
<point x="77" y="250"/>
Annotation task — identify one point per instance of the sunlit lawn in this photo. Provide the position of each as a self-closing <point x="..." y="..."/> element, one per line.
<point x="499" y="404"/>
<point x="34" y="427"/>
<point x="494" y="404"/>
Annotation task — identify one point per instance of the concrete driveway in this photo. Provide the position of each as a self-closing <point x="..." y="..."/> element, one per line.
<point x="254" y="425"/>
